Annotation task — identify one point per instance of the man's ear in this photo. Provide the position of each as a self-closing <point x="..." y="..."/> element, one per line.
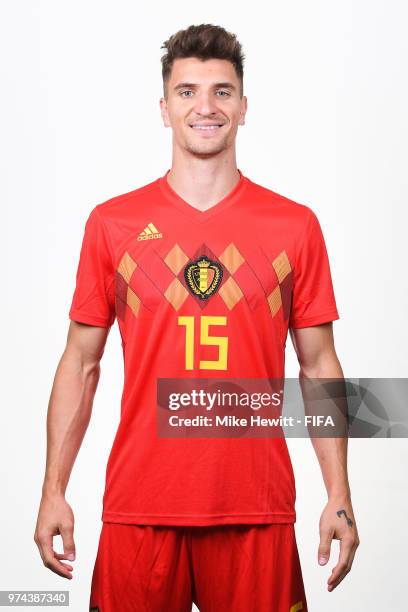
<point x="244" y="107"/>
<point x="164" y="113"/>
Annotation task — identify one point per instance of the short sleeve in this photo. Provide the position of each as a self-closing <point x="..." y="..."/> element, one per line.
<point x="313" y="300"/>
<point x="93" y="301"/>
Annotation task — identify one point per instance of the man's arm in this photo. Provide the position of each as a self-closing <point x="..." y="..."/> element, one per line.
<point x="317" y="357"/>
<point x="69" y="412"/>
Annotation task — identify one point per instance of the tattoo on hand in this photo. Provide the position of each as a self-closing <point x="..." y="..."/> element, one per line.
<point x="349" y="521"/>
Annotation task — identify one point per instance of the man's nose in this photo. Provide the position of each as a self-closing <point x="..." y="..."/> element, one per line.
<point x="205" y="104"/>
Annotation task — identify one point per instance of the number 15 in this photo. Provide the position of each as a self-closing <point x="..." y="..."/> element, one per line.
<point x="205" y="339"/>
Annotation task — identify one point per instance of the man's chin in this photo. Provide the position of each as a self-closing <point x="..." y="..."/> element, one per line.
<point x="206" y="151"/>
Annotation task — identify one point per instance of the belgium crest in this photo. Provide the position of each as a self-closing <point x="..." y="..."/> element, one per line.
<point x="203" y="277"/>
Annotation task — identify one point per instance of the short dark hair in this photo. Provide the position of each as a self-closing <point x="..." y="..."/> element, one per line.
<point x="204" y="41"/>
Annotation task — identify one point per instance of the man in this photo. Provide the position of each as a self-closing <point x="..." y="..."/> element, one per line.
<point x="205" y="272"/>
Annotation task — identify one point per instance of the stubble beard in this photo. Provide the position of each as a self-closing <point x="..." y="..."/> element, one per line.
<point x="207" y="149"/>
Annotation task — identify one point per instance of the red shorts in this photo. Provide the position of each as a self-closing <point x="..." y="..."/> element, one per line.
<point x="220" y="568"/>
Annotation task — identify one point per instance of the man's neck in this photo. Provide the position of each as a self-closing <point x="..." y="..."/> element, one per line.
<point x="203" y="183"/>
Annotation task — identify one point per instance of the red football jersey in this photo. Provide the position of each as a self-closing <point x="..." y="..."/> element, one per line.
<point x="268" y="269"/>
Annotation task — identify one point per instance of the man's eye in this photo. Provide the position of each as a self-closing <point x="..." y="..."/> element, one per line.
<point x="189" y="91"/>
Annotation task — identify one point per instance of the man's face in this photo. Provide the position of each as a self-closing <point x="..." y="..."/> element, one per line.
<point x="201" y="94"/>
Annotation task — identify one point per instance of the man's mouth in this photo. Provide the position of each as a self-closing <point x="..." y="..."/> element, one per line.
<point x="206" y="126"/>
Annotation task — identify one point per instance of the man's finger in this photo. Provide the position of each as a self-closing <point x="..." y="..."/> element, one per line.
<point x="67" y="535"/>
<point x="47" y="553"/>
<point x="323" y="554"/>
<point x="61" y="556"/>
<point x="344" y="563"/>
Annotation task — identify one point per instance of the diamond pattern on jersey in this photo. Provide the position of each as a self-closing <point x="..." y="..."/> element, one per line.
<point x="126" y="267"/>
<point x="176" y="259"/>
<point x="176" y="294"/>
<point x="148" y="277"/>
<point x="283" y="269"/>
<point x="231" y="293"/>
<point x="231" y="258"/>
<point x="124" y="294"/>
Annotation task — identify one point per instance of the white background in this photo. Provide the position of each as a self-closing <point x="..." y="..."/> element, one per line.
<point x="326" y="126"/>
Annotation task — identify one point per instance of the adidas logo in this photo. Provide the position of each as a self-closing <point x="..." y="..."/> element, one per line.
<point x="150" y="232"/>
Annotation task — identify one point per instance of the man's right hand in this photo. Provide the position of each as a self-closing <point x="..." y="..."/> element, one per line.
<point x="69" y="413"/>
<point x="55" y="517"/>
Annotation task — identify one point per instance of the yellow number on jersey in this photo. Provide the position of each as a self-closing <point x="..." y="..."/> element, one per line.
<point x="189" y="323"/>
<point x="205" y="339"/>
